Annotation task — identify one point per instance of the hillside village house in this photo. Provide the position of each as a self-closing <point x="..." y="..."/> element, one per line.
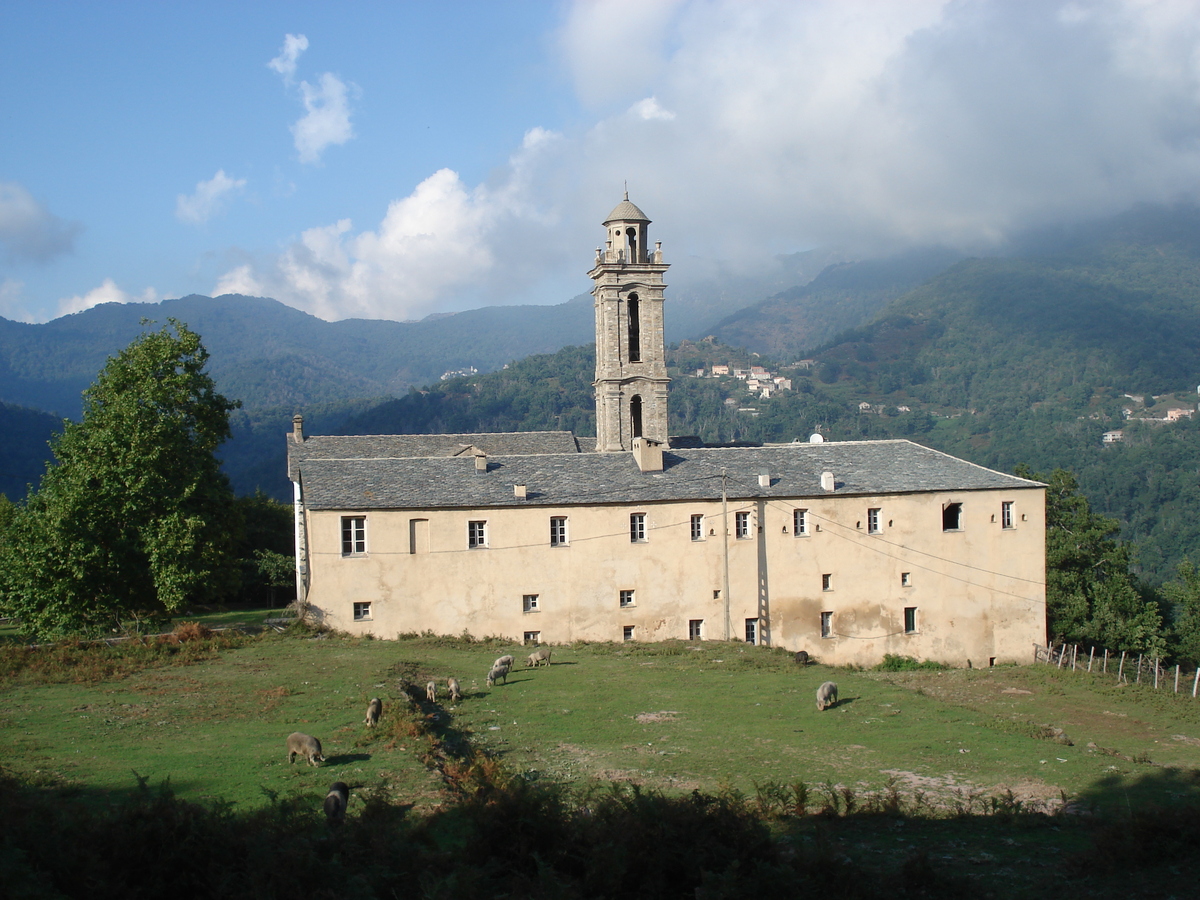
<point x="848" y="550"/>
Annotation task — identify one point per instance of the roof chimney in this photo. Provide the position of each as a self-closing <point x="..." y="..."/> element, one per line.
<point x="764" y="478"/>
<point x="519" y="491"/>
<point x="827" y="482"/>
<point x="298" y="428"/>
<point x="648" y="454"/>
<point x="481" y="462"/>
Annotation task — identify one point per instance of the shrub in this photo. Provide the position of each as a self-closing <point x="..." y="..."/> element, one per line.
<point x="893" y="663"/>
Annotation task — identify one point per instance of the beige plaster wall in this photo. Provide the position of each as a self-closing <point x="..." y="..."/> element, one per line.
<point x="979" y="592"/>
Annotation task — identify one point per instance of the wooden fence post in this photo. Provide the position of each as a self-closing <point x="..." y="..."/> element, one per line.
<point x="1156" y="673"/>
<point x="1062" y="654"/>
<point x="1074" y="655"/>
<point x="1139" y="672"/>
<point x="1196" y="681"/>
<point x="1121" y="668"/>
<point x="1104" y="671"/>
<point x="1091" y="653"/>
<point x="1177" y="678"/>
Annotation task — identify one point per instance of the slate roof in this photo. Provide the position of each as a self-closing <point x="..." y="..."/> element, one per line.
<point x="404" y="446"/>
<point x="565" y="479"/>
<point x="626" y="212"/>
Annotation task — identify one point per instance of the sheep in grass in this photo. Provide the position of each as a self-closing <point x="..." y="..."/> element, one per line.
<point x="300" y="744"/>
<point x="801" y="657"/>
<point x="826" y="695"/>
<point x="336" y="801"/>
<point x="539" y="657"/>
<point x="374" y="711"/>
<point x="431" y="692"/>
<point x="505" y="661"/>
<point x="455" y="691"/>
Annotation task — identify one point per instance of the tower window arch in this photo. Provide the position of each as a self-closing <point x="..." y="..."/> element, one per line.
<point x="635" y="328"/>
<point x="631" y="241"/>
<point x="635" y="416"/>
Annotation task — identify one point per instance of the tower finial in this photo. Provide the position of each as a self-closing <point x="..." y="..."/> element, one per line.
<point x="626" y="190"/>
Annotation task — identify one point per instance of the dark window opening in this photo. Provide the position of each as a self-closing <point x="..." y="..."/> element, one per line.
<point x="910" y="619"/>
<point x="631" y="237"/>
<point x="635" y="329"/>
<point x="695" y="629"/>
<point x="952" y="517"/>
<point x="635" y="415"/>
<point x="752" y="631"/>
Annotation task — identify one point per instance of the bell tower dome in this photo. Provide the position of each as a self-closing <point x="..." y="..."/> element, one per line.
<point x="631" y="370"/>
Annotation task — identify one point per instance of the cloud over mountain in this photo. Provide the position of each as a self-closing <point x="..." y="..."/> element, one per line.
<point x="28" y="231"/>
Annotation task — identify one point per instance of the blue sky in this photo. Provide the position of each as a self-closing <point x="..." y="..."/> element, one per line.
<point x="393" y="160"/>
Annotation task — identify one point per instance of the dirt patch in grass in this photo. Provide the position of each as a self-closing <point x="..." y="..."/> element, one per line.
<point x="664" y="715"/>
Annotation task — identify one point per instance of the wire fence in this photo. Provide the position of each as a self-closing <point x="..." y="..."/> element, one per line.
<point x="1099" y="661"/>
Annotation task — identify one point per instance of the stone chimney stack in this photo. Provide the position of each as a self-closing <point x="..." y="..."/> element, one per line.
<point x="481" y="463"/>
<point x="648" y="454"/>
<point x="298" y="428"/>
<point x="827" y="483"/>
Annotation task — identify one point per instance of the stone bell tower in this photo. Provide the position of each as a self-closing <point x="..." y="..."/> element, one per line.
<point x="631" y="370"/>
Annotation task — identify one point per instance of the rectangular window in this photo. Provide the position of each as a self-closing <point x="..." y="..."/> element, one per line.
<point x="826" y="624"/>
<point x="827" y="582"/>
<point x="873" y="526"/>
<point x="627" y="633"/>
<point x="752" y="631"/>
<point x="697" y="528"/>
<point x="626" y="599"/>
<point x="533" y="637"/>
<point x="354" y="535"/>
<point x="906" y="579"/>
<point x="362" y="612"/>
<point x="910" y="620"/>
<point x="418" y="535"/>
<point x="741" y="525"/>
<point x="695" y="629"/>
<point x="637" y="528"/>
<point x="529" y="603"/>
<point x="476" y="535"/>
<point x="952" y="517"/>
<point x="1006" y="514"/>
<point x="800" y="522"/>
<point x="558" y="531"/>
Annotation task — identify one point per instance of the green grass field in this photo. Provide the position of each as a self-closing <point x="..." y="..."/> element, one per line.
<point x="674" y="717"/>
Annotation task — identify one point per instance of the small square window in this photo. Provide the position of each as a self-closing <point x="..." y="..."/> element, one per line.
<point x="627" y="633"/>
<point x="1006" y="514"/>
<point x="800" y="522"/>
<point x="874" y="526"/>
<point x="826" y="624"/>
<point x="362" y="612"/>
<point x="637" y="528"/>
<point x="695" y="629"/>
<point x="533" y="637"/>
<point x="476" y="535"/>
<point x="827" y="582"/>
<point x="952" y="517"/>
<point x="906" y="579"/>
<point x="741" y="525"/>
<point x="910" y="620"/>
<point x="697" y="527"/>
<point x="354" y="535"/>
<point x="558" y="531"/>
<point x="529" y="603"/>
<point x="752" y="631"/>
<point x="626" y="599"/>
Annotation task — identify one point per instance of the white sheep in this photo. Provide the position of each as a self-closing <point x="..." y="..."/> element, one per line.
<point x="826" y="695"/>
<point x="431" y="692"/>
<point x="455" y="692"/>
<point x="538" y="657"/>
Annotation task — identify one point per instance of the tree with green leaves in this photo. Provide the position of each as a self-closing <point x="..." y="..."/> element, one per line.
<point x="134" y="519"/>
<point x="1091" y="597"/>
<point x="1184" y="595"/>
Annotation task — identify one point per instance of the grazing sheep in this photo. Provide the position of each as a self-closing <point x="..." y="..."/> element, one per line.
<point x="336" y="802"/>
<point x="452" y="686"/>
<point x="498" y="671"/>
<point x="801" y="657"/>
<point x="538" y="657"/>
<point x="505" y="661"/>
<point x="300" y="744"/>
<point x="431" y="692"/>
<point x="374" y="711"/>
<point x="826" y="695"/>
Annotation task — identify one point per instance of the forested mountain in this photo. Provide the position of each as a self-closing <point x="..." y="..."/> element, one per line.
<point x="24" y="447"/>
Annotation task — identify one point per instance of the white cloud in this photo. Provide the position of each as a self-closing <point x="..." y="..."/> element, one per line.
<point x="327" y="118"/>
<point x="108" y="292"/>
<point x="28" y="231"/>
<point x="285" y="62"/>
<point x="12" y="303"/>
<point x="749" y="129"/>
<point x="209" y="198"/>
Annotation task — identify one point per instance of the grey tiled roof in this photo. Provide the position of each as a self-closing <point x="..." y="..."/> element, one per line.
<point x="626" y="212"/>
<point x="866" y="467"/>
<point x="399" y="446"/>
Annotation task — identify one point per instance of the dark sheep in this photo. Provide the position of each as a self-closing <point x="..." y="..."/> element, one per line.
<point x="801" y="657"/>
<point x="336" y="802"/>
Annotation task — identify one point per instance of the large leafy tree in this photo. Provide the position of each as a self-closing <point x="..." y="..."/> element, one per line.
<point x="134" y="518"/>
<point x="1184" y="595"/>
<point x="1091" y="597"/>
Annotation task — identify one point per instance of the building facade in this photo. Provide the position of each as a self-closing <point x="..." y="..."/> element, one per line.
<point x="849" y="550"/>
